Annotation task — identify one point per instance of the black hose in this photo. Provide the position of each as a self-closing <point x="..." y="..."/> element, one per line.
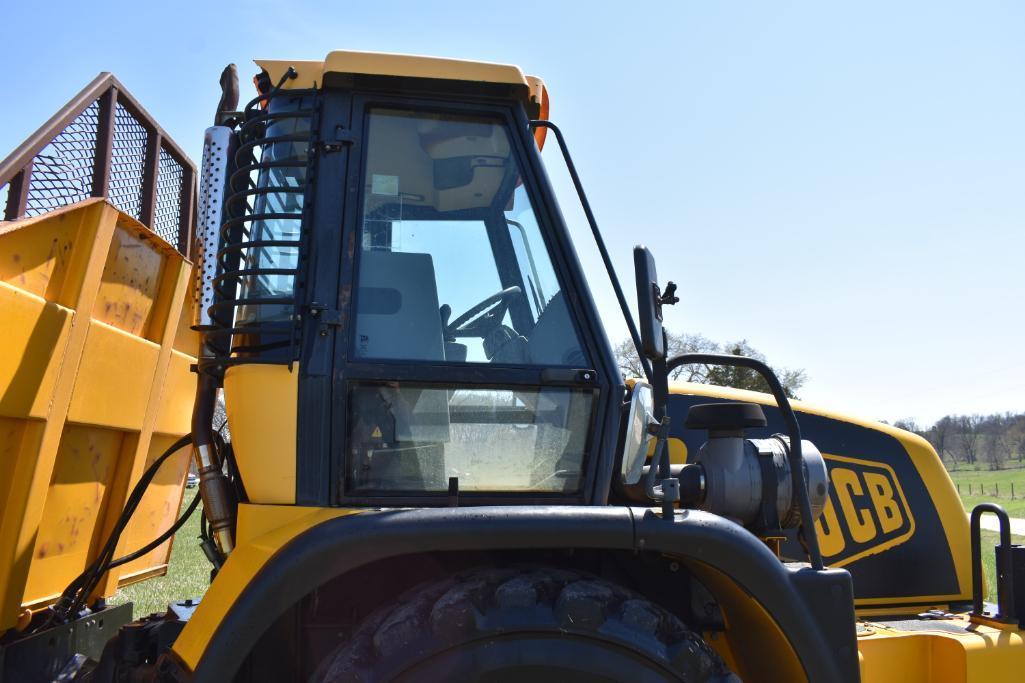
<point x="155" y="543"/>
<point x="78" y="590"/>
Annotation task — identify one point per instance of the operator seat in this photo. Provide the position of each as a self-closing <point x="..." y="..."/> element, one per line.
<point x="397" y="307"/>
<point x="554" y="341"/>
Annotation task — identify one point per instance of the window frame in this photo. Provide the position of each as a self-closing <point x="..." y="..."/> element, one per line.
<point x="444" y="374"/>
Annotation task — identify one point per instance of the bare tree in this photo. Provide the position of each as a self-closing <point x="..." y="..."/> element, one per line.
<point x="969" y="437"/>
<point x="908" y="424"/>
<point x="739" y="378"/>
<point x="628" y="359"/>
<point x="1014" y="435"/>
<point x="994" y="450"/>
<point x="940" y="435"/>
<point x="630" y="363"/>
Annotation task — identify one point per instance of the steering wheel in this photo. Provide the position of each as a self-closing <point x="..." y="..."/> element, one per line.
<point x="482" y="317"/>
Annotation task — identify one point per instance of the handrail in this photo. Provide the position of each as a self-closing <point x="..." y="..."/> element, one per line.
<point x="119" y="153"/>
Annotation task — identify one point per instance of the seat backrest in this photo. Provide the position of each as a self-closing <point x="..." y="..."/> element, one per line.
<point x="397" y="307"/>
<point x="553" y="339"/>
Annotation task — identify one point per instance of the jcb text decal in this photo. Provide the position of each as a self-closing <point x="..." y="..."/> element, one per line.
<point x="866" y="513"/>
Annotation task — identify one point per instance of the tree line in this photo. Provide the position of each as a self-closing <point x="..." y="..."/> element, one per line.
<point x="994" y="441"/>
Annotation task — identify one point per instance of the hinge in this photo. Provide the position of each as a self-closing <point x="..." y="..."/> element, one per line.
<point x="342" y="137"/>
<point x="325" y="316"/>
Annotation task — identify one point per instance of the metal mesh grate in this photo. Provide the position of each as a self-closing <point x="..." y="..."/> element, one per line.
<point x="167" y="209"/>
<point x="127" y="161"/>
<point x="103" y="144"/>
<point x="62" y="172"/>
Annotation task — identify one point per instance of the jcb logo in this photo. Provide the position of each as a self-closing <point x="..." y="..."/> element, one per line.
<point x="866" y="512"/>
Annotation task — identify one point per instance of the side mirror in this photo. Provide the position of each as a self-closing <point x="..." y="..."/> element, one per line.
<point x="650" y="299"/>
<point x="638" y="433"/>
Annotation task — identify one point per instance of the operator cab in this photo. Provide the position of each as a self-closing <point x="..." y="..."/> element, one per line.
<point x="466" y="360"/>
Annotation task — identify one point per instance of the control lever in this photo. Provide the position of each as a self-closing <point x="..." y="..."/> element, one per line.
<point x="446" y="312"/>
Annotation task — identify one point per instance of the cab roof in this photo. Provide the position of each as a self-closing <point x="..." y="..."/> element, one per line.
<point x="311" y="73"/>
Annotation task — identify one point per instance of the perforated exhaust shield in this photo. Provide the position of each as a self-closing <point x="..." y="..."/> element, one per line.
<point x="218" y="143"/>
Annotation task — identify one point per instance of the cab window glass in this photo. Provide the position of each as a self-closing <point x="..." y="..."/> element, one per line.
<point x="280" y="186"/>
<point x="410" y="438"/>
<point x="452" y="266"/>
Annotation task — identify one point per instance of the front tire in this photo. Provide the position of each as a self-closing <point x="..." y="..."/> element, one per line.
<point x="538" y="624"/>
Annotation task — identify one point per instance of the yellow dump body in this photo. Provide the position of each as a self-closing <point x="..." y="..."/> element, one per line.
<point x="94" y="384"/>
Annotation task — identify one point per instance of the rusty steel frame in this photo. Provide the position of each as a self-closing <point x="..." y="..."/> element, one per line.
<point x="107" y="90"/>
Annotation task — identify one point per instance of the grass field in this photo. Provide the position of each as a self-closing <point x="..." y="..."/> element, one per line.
<point x="995" y="486"/>
<point x="992" y="486"/>
<point x="188" y="572"/>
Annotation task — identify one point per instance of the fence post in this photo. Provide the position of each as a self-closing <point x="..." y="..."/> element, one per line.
<point x="17" y="193"/>
<point x="104" y="142"/>
<point x="1012" y="490"/>
<point x="150" y="170"/>
<point x="997" y="486"/>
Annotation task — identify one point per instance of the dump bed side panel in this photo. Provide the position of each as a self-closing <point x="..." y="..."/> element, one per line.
<point x="92" y="391"/>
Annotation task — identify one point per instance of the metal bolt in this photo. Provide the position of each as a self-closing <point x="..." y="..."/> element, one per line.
<point x="674" y="566"/>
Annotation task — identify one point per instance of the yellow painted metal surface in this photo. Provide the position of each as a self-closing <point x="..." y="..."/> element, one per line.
<point x="262" y="534"/>
<point x="311" y="73"/>
<point x="94" y="380"/>
<point x="33" y="329"/>
<point x="263" y="431"/>
<point x="976" y="654"/>
<point x="753" y="644"/>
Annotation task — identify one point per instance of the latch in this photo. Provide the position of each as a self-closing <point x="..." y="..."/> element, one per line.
<point x="569" y="376"/>
<point x="342" y="136"/>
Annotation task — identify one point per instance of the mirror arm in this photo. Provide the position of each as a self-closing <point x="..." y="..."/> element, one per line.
<point x="667" y="490"/>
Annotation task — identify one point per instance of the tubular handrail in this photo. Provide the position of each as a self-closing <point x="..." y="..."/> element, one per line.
<point x="159" y="191"/>
<point x="1005" y="606"/>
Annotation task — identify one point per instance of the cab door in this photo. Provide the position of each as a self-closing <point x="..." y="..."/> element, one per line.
<point x="462" y="371"/>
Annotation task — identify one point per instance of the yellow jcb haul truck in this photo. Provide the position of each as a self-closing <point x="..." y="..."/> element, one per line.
<point x="432" y="468"/>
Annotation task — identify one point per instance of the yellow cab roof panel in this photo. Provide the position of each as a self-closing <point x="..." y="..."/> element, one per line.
<point x="311" y="73"/>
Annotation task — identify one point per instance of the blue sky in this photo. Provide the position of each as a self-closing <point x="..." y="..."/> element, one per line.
<point x="840" y="183"/>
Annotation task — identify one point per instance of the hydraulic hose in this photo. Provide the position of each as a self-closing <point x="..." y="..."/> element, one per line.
<point x="75" y="595"/>
<point x="159" y="540"/>
<point x="213" y="485"/>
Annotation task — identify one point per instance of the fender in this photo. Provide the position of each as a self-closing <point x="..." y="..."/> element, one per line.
<point x="267" y="575"/>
